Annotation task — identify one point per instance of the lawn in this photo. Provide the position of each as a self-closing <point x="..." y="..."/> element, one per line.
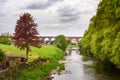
<point x="11" y="50"/>
<point x="36" y="71"/>
<point x="46" y="51"/>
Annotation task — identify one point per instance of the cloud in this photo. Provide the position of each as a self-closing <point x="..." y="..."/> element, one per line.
<point x="88" y="7"/>
<point x="42" y="5"/>
<point x="68" y="14"/>
<point x="56" y="25"/>
<point x="1" y="14"/>
<point x="68" y="17"/>
<point x="2" y="1"/>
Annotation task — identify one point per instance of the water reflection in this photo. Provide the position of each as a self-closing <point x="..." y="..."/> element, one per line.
<point x="87" y="70"/>
<point x="69" y="51"/>
<point x="102" y="71"/>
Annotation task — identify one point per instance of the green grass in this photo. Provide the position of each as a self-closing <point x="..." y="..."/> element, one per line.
<point x="72" y="46"/>
<point x="11" y="49"/>
<point x="36" y="71"/>
<point x="46" y="51"/>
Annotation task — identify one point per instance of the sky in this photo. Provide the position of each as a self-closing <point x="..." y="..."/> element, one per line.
<point x="54" y="17"/>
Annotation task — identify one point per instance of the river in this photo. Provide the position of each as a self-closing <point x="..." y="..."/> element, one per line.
<point x="91" y="69"/>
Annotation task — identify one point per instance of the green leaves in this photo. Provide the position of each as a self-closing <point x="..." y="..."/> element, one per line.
<point x="61" y="42"/>
<point x="117" y="12"/>
<point x="115" y="56"/>
<point x="102" y="38"/>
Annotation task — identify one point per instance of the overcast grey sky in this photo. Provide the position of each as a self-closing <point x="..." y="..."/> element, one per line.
<point x="68" y="17"/>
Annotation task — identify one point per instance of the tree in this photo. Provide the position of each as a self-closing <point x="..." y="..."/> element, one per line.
<point x="26" y="34"/>
<point x="5" y="40"/>
<point x="61" y="42"/>
<point x="102" y="38"/>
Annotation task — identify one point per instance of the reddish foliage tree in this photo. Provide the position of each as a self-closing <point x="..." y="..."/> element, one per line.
<point x="26" y="34"/>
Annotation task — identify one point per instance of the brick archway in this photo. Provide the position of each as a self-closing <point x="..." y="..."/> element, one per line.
<point x="77" y="38"/>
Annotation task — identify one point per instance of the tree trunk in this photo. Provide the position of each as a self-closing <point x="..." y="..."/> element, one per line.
<point x="27" y="53"/>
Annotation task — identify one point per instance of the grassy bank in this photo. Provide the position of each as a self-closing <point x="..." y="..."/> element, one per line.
<point x="72" y="46"/>
<point x="40" y="70"/>
<point x="47" y="51"/>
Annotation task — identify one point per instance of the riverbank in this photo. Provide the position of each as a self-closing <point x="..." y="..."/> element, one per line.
<point x="40" y="70"/>
<point x="79" y="67"/>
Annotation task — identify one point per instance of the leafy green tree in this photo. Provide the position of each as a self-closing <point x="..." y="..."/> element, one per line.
<point x="115" y="56"/>
<point x="102" y="39"/>
<point x="61" y="42"/>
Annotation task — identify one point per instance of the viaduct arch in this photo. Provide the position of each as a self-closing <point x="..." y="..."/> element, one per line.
<point x="50" y="39"/>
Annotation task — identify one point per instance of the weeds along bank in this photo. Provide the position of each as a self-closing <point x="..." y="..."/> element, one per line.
<point x="39" y="70"/>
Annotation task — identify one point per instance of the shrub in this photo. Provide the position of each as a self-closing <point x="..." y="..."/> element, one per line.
<point x="5" y="40"/>
<point x="61" y="42"/>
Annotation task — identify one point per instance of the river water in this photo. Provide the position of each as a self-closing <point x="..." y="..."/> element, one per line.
<point x="86" y="70"/>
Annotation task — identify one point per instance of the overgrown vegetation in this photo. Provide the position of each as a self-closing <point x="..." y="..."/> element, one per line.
<point x="102" y="39"/>
<point x="39" y="70"/>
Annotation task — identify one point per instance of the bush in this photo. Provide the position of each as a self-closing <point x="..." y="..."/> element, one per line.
<point x="1" y="55"/>
<point x="5" y="40"/>
<point x="61" y="42"/>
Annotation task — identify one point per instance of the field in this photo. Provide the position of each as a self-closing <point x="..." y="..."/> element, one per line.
<point x="45" y="51"/>
<point x="36" y="71"/>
